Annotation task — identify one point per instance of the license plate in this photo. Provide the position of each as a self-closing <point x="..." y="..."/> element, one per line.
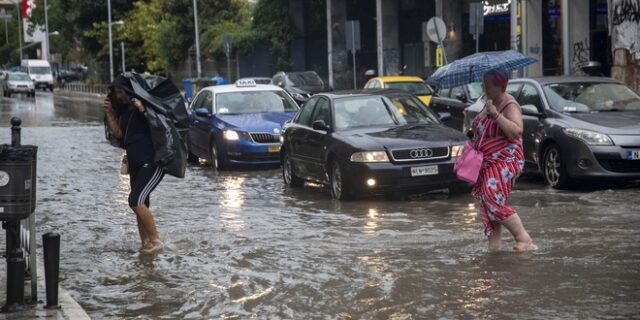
<point x="274" y="148"/>
<point x="633" y="154"/>
<point x="424" y="171"/>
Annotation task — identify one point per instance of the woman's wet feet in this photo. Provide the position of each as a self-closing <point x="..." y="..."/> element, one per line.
<point x="152" y="247"/>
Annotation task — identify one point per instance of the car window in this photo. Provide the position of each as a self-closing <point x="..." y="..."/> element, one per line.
<point x="373" y="84"/>
<point x="322" y="112"/>
<point x="529" y="95"/>
<point x="443" y="92"/>
<point x="417" y="88"/>
<point x="304" y="117"/>
<point x="207" y="101"/>
<point x="513" y="89"/>
<point x="198" y="102"/>
<point x="245" y="102"/>
<point x="457" y="91"/>
<point x="304" y="79"/>
<point x="475" y="90"/>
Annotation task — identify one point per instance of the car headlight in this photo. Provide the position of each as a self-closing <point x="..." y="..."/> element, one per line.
<point x="590" y="137"/>
<point x="231" y="135"/>
<point x="456" y="151"/>
<point x="370" y="156"/>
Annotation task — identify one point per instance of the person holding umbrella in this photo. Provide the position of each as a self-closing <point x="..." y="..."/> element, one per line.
<point x="498" y="134"/>
<point x="127" y="120"/>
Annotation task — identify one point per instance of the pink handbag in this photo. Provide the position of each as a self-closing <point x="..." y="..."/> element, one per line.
<point x="468" y="166"/>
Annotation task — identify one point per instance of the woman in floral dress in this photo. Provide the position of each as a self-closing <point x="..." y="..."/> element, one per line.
<point x="498" y="130"/>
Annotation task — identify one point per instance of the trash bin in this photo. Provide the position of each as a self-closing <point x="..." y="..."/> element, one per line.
<point x="17" y="181"/>
<point x="188" y="88"/>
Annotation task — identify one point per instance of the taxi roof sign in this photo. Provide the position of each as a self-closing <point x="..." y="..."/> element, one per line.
<point x="245" y="83"/>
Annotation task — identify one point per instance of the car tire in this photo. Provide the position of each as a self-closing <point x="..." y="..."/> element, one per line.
<point x="215" y="157"/>
<point x="554" y="168"/>
<point x="340" y="189"/>
<point x="288" y="175"/>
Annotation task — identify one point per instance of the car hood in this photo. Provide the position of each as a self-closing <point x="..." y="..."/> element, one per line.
<point x="256" y="122"/>
<point x="20" y="83"/>
<point x="616" y="122"/>
<point x="407" y="136"/>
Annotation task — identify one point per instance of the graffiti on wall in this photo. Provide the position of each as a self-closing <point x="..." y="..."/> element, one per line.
<point x="624" y="23"/>
<point x="626" y="11"/>
<point x="581" y="53"/>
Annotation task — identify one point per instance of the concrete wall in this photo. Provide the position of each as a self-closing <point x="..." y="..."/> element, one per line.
<point x="532" y="35"/>
<point x="579" y="43"/>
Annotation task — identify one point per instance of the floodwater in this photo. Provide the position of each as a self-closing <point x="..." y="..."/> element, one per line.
<point x="239" y="245"/>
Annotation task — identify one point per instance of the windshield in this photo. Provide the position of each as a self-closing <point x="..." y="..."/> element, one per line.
<point x="19" y="77"/>
<point x="591" y="97"/>
<point x="39" y="70"/>
<point x="417" y="88"/>
<point x="475" y="90"/>
<point x="304" y="79"/>
<point x="380" y="111"/>
<point x="254" y="102"/>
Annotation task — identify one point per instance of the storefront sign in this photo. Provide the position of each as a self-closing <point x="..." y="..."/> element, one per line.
<point x="494" y="9"/>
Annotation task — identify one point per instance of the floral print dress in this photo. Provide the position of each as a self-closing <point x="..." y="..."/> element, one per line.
<point x="503" y="163"/>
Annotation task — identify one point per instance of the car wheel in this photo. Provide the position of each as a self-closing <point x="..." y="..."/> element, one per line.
<point x="289" y="177"/>
<point x="215" y="157"/>
<point x="553" y="168"/>
<point x="340" y="189"/>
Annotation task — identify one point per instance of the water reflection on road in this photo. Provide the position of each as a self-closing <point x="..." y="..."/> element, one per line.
<point x="240" y="245"/>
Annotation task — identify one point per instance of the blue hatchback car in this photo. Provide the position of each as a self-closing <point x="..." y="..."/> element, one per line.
<point x="239" y="124"/>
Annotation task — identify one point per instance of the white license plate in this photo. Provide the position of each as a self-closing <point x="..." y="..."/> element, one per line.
<point x="424" y="171"/>
<point x="633" y="154"/>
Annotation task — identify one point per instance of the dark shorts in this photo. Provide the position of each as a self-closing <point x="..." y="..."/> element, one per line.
<point x="144" y="179"/>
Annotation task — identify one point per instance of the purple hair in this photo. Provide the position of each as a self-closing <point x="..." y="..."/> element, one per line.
<point x="498" y="78"/>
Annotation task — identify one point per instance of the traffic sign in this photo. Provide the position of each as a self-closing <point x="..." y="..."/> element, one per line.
<point x="436" y="30"/>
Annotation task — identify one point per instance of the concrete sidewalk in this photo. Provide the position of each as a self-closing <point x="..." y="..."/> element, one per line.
<point x="69" y="308"/>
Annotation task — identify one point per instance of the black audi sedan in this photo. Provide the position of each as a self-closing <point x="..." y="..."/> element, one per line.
<point x="577" y="129"/>
<point x="370" y="142"/>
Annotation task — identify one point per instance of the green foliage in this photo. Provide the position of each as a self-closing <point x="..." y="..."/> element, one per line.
<point x="273" y="25"/>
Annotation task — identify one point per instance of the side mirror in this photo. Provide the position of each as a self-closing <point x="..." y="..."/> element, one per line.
<point x="462" y="97"/>
<point x="530" y="110"/>
<point x="203" y="112"/>
<point x="444" y="116"/>
<point x="320" y="125"/>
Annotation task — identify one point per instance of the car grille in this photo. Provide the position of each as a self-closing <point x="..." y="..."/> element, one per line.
<point x="265" y="137"/>
<point x="420" y="154"/>
<point x="618" y="165"/>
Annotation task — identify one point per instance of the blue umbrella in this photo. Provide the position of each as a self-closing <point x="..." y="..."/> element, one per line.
<point x="472" y="68"/>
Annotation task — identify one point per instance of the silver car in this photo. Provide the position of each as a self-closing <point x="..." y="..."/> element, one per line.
<point x="577" y="128"/>
<point x="18" y="82"/>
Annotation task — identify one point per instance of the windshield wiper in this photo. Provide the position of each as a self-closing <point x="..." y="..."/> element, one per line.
<point x="393" y="116"/>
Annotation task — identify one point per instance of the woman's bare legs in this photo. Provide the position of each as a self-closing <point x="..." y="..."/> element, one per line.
<point x="495" y="238"/>
<point x="147" y="228"/>
<point x="523" y="240"/>
<point x="144" y="237"/>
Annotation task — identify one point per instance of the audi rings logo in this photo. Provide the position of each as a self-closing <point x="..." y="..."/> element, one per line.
<point x="421" y="153"/>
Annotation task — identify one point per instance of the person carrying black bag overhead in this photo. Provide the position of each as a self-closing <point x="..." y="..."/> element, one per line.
<point x="127" y="120"/>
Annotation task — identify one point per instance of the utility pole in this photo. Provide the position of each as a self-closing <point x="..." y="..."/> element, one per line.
<point x="46" y="30"/>
<point x="110" y="43"/>
<point x="195" y="22"/>
<point x="123" y="61"/>
<point x="19" y="28"/>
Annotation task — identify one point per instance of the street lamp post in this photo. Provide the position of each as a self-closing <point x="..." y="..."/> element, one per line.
<point x="119" y="22"/>
<point x="122" y="51"/>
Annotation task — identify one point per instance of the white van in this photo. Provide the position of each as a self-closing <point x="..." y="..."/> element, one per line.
<point x="40" y="73"/>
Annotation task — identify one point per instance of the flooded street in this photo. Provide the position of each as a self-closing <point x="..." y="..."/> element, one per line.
<point x="240" y="245"/>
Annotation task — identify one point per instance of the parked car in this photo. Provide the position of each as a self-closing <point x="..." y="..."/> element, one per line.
<point x="18" y="82"/>
<point x="257" y="80"/>
<point x="300" y="85"/>
<point x="370" y="142"/>
<point x="239" y="124"/>
<point x="577" y="128"/>
<point x="455" y="100"/>
<point x="39" y="71"/>
<point x="414" y="85"/>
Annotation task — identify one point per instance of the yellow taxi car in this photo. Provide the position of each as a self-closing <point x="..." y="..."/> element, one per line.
<point x="411" y="84"/>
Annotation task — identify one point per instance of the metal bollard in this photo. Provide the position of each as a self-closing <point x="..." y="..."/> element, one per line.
<point x="51" y="247"/>
<point x="15" y="131"/>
